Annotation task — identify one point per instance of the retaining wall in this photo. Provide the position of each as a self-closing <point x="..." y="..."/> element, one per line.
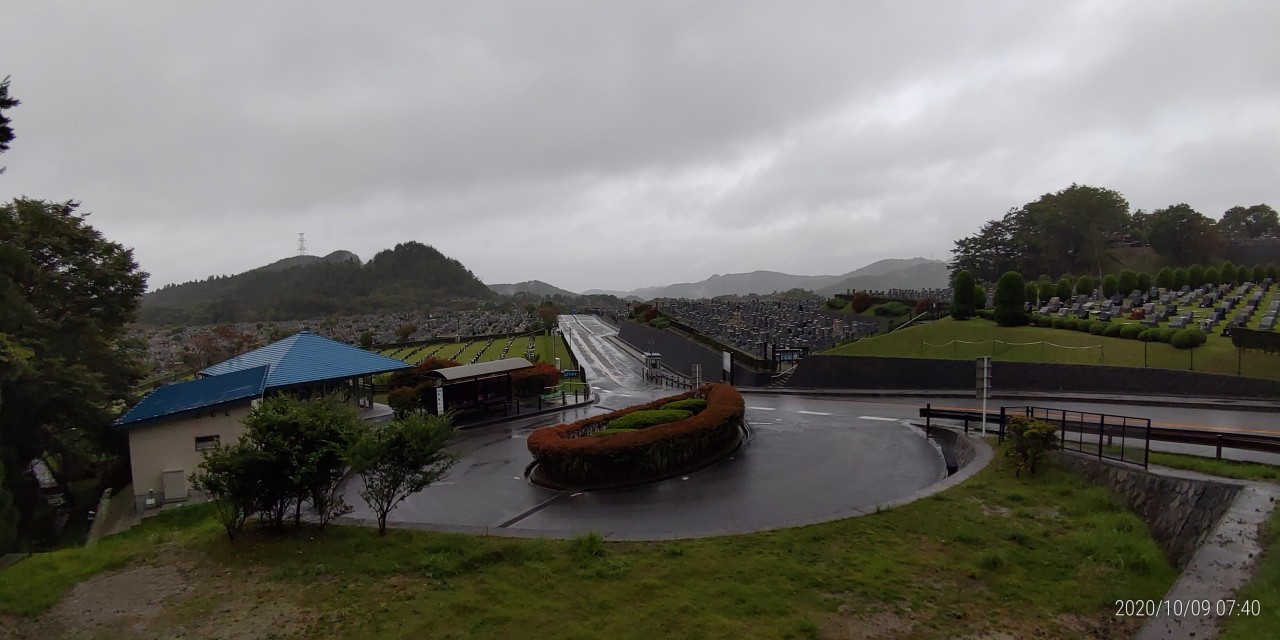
<point x="680" y="353"/>
<point x="1180" y="512"/>
<point x="873" y="372"/>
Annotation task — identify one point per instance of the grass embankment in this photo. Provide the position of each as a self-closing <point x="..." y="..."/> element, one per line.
<point x="1043" y="557"/>
<point x="1265" y="588"/>
<point x="463" y="353"/>
<point x="1226" y="468"/>
<point x="947" y="339"/>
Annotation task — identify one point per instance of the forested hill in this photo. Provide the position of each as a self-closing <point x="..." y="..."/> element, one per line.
<point x="411" y="275"/>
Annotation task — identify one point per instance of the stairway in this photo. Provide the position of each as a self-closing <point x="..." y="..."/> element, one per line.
<point x="781" y="380"/>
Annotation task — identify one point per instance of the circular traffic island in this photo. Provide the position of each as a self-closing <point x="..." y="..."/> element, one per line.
<point x="646" y="443"/>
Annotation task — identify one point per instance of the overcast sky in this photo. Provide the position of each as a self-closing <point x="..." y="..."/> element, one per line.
<point x="609" y="145"/>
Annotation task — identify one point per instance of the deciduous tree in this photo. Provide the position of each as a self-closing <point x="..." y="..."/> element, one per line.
<point x="399" y="459"/>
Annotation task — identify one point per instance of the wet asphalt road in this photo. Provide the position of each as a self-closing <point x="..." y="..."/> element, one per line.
<point x="809" y="460"/>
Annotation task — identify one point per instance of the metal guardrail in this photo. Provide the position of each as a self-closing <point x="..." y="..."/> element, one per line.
<point x="1108" y="427"/>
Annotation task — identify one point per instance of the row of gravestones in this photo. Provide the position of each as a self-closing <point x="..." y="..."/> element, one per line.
<point x="1139" y="306"/>
<point x="746" y="324"/>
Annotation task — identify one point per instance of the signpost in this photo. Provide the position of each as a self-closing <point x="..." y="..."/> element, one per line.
<point x="984" y="387"/>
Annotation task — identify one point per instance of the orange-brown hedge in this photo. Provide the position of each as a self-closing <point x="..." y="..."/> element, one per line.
<point x="565" y="455"/>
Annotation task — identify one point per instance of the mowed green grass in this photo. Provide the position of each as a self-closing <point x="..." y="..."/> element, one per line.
<point x="1213" y="466"/>
<point x="1217" y="356"/>
<point x="463" y="352"/>
<point x="995" y="556"/>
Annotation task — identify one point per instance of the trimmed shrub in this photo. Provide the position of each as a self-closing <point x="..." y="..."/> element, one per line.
<point x="1195" y="275"/>
<point x="1144" y="281"/>
<point x="1128" y="281"/>
<point x="1166" y="335"/>
<point x="693" y="405"/>
<point x="892" y="309"/>
<point x="1112" y="330"/>
<point x="1047" y="291"/>
<point x="1097" y="327"/>
<point x="986" y="314"/>
<point x="837" y="303"/>
<point x="563" y="455"/>
<point x="1032" y="293"/>
<point x="861" y="301"/>
<point x="1130" y="331"/>
<point x="1009" y="300"/>
<point x="1060" y="322"/>
<point x="1212" y="276"/>
<point x="1083" y="325"/>
<point x="1227" y="273"/>
<point x="1165" y="279"/>
<point x="527" y="383"/>
<point x="1029" y="440"/>
<point x="1149" y="335"/>
<point x="1180" y="278"/>
<point x="1085" y="286"/>
<point x="1070" y="324"/>
<point x="1065" y="287"/>
<point x="979" y="297"/>
<point x="962" y="303"/>
<point x="646" y="419"/>
<point x="1188" y="338"/>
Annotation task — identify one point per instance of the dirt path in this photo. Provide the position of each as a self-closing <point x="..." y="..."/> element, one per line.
<point x="182" y="598"/>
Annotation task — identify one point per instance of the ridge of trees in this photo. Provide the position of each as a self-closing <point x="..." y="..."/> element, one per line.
<point x="1071" y="230"/>
<point x="409" y="276"/>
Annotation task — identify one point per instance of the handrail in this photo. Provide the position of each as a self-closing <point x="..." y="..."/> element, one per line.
<point x="1207" y="437"/>
<point x="908" y="323"/>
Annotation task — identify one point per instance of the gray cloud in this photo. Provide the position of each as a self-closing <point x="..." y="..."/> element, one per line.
<point x="616" y="146"/>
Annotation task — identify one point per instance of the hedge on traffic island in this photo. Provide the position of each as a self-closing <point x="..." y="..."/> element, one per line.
<point x="572" y="455"/>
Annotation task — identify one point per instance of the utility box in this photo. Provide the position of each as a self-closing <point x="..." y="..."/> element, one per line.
<point x="175" y="485"/>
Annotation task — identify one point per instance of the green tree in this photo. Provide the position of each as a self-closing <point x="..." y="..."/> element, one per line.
<point x="1085" y="286"/>
<point x="1259" y="273"/>
<point x="366" y="339"/>
<point x="1144" y="281"/>
<point x="962" y="302"/>
<point x="1065" y="288"/>
<point x="1182" y="234"/>
<point x="1033" y="294"/>
<point x="1212" y="276"/>
<point x="1165" y="278"/>
<point x="306" y="443"/>
<point x="1227" y="272"/>
<point x="1181" y="278"/>
<point x="6" y="129"/>
<point x="1127" y="282"/>
<point x="1245" y="223"/>
<point x="8" y="518"/>
<point x="1273" y="272"/>
<point x="1110" y="285"/>
<point x="979" y="297"/>
<point x="66" y="296"/>
<point x="1047" y="290"/>
<point x="227" y="477"/>
<point x="1069" y="230"/>
<point x="1195" y="275"/>
<point x="1009" y="310"/>
<point x="399" y="459"/>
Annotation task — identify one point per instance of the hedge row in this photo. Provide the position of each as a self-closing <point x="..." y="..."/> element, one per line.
<point x="566" y="454"/>
<point x="1186" y="338"/>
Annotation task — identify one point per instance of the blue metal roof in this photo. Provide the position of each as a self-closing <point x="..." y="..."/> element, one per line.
<point x="306" y="357"/>
<point x="197" y="394"/>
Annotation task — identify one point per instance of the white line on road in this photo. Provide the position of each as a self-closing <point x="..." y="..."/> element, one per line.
<point x="814" y="413"/>
<point x="877" y="418"/>
<point x="764" y="408"/>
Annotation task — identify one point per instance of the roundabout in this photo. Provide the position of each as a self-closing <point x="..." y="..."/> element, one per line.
<point x="797" y="469"/>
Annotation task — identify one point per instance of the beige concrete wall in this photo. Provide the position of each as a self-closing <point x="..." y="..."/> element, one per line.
<point x="170" y="445"/>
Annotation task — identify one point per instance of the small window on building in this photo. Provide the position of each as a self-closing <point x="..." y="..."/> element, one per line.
<point x="206" y="442"/>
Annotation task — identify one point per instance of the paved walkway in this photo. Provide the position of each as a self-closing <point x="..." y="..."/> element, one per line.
<point x="1231" y="404"/>
<point x="1221" y="566"/>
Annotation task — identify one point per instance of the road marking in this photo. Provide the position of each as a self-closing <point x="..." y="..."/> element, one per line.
<point x="764" y="408"/>
<point x="814" y="413"/>
<point x="877" y="418"/>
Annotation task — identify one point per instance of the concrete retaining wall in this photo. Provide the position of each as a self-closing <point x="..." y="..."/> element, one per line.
<point x="1180" y="512"/>
<point x="680" y="353"/>
<point x="869" y="372"/>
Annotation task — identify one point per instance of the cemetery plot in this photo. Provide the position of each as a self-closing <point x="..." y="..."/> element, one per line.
<point x="758" y="325"/>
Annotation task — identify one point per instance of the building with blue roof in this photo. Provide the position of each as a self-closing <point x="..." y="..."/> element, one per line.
<point x="170" y="427"/>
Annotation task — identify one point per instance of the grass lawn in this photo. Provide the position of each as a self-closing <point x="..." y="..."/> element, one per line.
<point x="945" y="338"/>
<point x="1044" y="557"/>
<point x="1213" y="466"/>
<point x="1265" y="588"/>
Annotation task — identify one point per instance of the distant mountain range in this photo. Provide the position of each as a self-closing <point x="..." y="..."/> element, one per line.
<point x="410" y="276"/>
<point x="534" y="287"/>
<point x="893" y="273"/>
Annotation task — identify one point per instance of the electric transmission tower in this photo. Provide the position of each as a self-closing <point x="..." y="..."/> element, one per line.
<point x="302" y="244"/>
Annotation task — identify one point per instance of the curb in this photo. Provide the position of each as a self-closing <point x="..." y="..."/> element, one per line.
<point x="1233" y="404"/>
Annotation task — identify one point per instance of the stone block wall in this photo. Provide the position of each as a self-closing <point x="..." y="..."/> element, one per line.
<point x="1180" y="513"/>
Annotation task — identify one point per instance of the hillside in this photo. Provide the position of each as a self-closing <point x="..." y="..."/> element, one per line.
<point x="535" y="287"/>
<point x="906" y="273"/>
<point x="409" y="276"/>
